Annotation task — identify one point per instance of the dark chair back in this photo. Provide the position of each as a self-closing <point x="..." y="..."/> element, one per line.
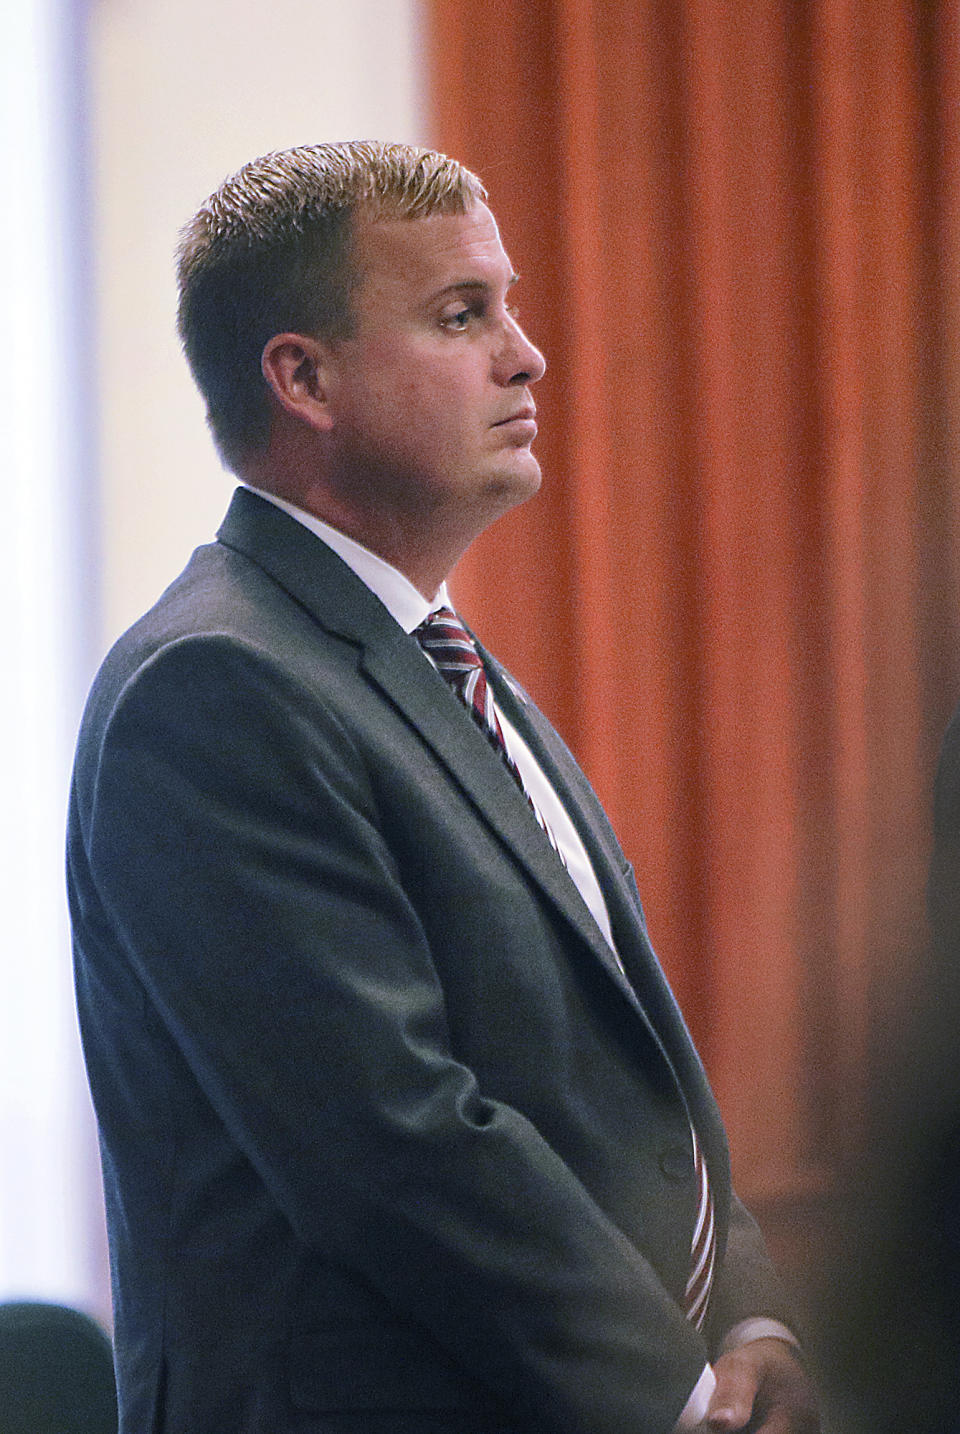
<point x="56" y="1372"/>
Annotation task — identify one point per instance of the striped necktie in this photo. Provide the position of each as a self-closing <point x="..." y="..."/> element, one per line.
<point x="454" y="654"/>
<point x="703" y="1249"/>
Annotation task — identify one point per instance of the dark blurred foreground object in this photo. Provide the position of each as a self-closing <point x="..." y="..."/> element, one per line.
<point x="889" y="1336"/>
<point x="891" y="1329"/>
<point x="56" y="1372"/>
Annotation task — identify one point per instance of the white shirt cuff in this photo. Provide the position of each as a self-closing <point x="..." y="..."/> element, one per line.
<point x="695" y="1410"/>
<point x="750" y="1329"/>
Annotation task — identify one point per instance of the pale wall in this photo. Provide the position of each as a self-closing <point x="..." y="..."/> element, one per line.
<point x="183" y="94"/>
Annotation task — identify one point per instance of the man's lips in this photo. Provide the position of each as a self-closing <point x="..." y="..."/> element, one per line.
<point x="526" y="416"/>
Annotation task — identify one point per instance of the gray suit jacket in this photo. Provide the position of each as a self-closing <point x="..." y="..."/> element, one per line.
<point x="390" y="1143"/>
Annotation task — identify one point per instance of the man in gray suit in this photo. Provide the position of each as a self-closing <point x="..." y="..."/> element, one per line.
<point x="401" y="1127"/>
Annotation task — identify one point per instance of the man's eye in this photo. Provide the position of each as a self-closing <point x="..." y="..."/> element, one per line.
<point x="458" y="320"/>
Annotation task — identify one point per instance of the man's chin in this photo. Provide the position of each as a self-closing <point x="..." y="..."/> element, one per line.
<point x="516" y="482"/>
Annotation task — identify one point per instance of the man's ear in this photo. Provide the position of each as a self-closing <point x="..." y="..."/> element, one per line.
<point x="295" y="367"/>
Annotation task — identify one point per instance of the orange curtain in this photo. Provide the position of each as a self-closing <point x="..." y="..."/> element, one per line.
<point x="737" y="593"/>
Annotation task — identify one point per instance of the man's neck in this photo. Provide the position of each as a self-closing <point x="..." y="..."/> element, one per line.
<point x="405" y="602"/>
<point x="419" y="546"/>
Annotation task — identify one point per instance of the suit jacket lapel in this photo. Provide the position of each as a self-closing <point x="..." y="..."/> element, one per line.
<point x="326" y="587"/>
<point x="429" y="705"/>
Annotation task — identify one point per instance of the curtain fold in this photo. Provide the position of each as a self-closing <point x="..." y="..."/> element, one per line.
<point x="737" y="593"/>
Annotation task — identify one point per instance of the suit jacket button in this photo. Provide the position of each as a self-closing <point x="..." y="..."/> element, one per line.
<point x="676" y="1163"/>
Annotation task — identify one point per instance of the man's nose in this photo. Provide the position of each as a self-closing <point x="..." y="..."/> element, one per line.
<point x="520" y="361"/>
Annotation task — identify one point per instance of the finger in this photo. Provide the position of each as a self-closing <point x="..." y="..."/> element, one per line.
<point x="731" y="1404"/>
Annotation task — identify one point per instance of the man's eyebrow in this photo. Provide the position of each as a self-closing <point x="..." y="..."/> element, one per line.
<point x="463" y="286"/>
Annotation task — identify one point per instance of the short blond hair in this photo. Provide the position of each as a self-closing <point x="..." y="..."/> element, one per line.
<point x="270" y="252"/>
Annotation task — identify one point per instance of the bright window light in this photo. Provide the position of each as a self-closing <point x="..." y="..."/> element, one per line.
<point x="48" y="1235"/>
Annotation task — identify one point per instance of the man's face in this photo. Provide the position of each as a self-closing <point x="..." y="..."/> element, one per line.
<point x="429" y="397"/>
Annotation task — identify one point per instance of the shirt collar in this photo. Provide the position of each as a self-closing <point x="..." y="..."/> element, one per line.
<point x="405" y="603"/>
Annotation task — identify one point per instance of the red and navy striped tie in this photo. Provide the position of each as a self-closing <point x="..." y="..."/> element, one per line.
<point x="703" y="1248"/>
<point x="454" y="654"/>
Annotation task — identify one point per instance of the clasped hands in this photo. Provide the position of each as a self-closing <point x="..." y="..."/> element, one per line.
<point x="762" y="1388"/>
